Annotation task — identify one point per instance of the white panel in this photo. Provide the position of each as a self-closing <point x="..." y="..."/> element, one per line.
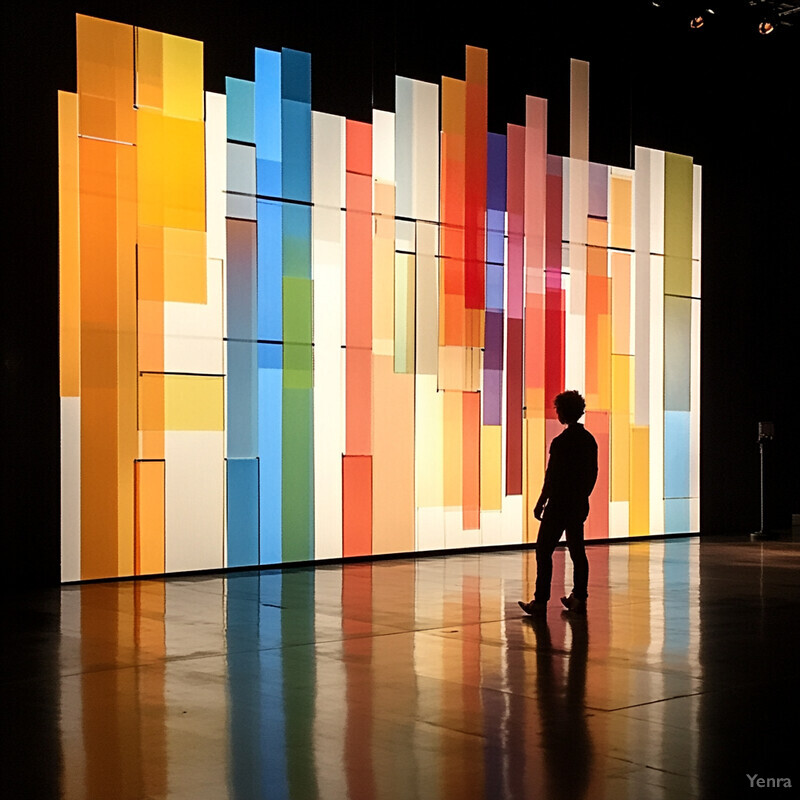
<point x="656" y="201"/>
<point x="426" y="151"/>
<point x="216" y="174"/>
<point x="575" y="322"/>
<point x="454" y="533"/>
<point x="194" y="332"/>
<point x="383" y="146"/>
<point x="641" y="297"/>
<point x="492" y="527"/>
<point x="328" y="273"/>
<point x="618" y="519"/>
<point x="405" y="235"/>
<point x="697" y="220"/>
<point x="694" y="514"/>
<point x="430" y="528"/>
<point x="657" y="394"/>
<point x="513" y="512"/>
<point x="194" y="494"/>
<point x="70" y="488"/>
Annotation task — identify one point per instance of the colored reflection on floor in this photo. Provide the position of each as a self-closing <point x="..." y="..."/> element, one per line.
<point x="416" y="679"/>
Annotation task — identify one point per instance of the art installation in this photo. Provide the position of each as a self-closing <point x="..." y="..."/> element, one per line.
<point x="290" y="336"/>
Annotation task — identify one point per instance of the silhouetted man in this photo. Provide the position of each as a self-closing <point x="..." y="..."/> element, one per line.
<point x="564" y="504"/>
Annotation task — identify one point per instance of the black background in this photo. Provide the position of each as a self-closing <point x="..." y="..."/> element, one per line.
<point x="723" y="95"/>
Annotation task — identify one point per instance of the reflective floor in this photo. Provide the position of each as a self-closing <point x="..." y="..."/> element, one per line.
<point x="413" y="679"/>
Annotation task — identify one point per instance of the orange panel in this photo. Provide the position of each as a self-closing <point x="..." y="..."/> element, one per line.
<point x="356" y="505"/>
<point x="149" y="552"/>
<point x="69" y="244"/>
<point x="640" y="481"/>
<point x="471" y="474"/>
<point x="453" y="433"/>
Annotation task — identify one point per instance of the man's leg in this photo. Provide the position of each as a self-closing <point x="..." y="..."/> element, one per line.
<point x="580" y="564"/>
<point x="550" y="532"/>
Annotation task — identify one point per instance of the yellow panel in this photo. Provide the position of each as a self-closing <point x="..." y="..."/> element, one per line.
<point x="640" y="481"/>
<point x="150" y="171"/>
<point x="183" y="78"/>
<point x="149" y="69"/>
<point x="491" y="468"/>
<point x="184" y="174"/>
<point x="69" y="252"/>
<point x="620" y="427"/>
<point x="621" y="201"/>
<point x="185" y="266"/>
<point x="193" y="403"/>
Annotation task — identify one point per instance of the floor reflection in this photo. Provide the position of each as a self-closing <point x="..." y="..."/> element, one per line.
<point x="398" y="679"/>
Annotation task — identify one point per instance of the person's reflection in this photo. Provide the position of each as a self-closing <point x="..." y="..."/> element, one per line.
<point x="565" y="738"/>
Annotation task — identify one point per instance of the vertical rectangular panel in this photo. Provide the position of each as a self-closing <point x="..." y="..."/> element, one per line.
<point x="242" y="523"/>
<point x="270" y="451"/>
<point x="514" y="305"/>
<point x="678" y="203"/>
<point x="404" y="295"/>
<point x="328" y="158"/>
<point x="149" y="517"/>
<point x="579" y="110"/>
<point x="535" y="217"/>
<point x="471" y="476"/>
<point x="357" y="505"/>
<point x="70" y="488"/>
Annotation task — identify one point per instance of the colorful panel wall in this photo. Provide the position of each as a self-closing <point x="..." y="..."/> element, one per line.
<point x="289" y="336"/>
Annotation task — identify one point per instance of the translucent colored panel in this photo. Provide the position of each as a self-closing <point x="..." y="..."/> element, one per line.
<point x="471" y="437"/>
<point x="620" y="427"/>
<point x="240" y="110"/>
<point x="621" y="211"/>
<point x="656" y="386"/>
<point x="597" y="524"/>
<point x="242" y="507"/>
<point x="677" y="353"/>
<point x="269" y="217"/>
<point x="676" y="453"/>
<point x="296" y="124"/>
<point x="149" y="517"/>
<point x="298" y="459"/>
<point x="149" y="69"/>
<point x="426" y="298"/>
<point x="640" y="483"/>
<point x="270" y="412"/>
<point x="69" y="245"/>
<point x="267" y="118"/>
<point x="185" y="266"/>
<point x="404" y="313"/>
<point x="677" y="517"/>
<point x="183" y="78"/>
<point x="491" y="468"/>
<point x="678" y="203"/>
<point x="621" y="303"/>
<point x="216" y="174"/>
<point x="579" y="110"/>
<point x="70" y="488"/>
<point x="598" y="191"/>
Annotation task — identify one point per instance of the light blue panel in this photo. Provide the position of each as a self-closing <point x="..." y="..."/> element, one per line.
<point x="270" y="271"/>
<point x="270" y="450"/>
<point x="241" y="181"/>
<point x="495" y="236"/>
<point x="404" y="145"/>
<point x="676" y="453"/>
<point x="242" y="492"/>
<point x="676" y="516"/>
<point x="240" y="105"/>
<point x="268" y="122"/>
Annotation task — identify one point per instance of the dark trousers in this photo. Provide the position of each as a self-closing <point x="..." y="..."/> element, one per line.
<point x="555" y="521"/>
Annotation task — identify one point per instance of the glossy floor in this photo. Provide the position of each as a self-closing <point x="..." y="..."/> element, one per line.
<point x="415" y="678"/>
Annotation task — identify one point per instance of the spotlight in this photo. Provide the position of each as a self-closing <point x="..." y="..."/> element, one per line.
<point x="697" y="22"/>
<point x="765" y="27"/>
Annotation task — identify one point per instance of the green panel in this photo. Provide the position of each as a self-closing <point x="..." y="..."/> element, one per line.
<point x="677" y="353"/>
<point x="297" y="366"/>
<point x="298" y="463"/>
<point x="297" y="310"/>
<point x="677" y="224"/>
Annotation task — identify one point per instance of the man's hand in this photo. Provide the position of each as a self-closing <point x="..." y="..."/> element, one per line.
<point x="537" y="512"/>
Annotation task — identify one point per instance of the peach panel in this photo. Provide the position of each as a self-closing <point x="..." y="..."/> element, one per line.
<point x="621" y="417"/>
<point x="621" y="303"/>
<point x="393" y="459"/>
<point x="620" y="212"/>
<point x="453" y="447"/>
<point x="491" y="468"/>
<point x="185" y="266"/>
<point x="69" y="245"/>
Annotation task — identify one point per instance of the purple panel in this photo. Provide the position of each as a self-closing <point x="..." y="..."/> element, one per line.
<point x="598" y="190"/>
<point x="492" y="396"/>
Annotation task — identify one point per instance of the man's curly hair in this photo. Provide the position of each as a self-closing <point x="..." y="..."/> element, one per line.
<point x="570" y="406"/>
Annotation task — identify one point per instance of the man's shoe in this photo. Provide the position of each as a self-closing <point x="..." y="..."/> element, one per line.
<point x="573" y="603"/>
<point x="534" y="607"/>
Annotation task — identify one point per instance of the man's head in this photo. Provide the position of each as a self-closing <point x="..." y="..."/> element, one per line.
<point x="569" y="407"/>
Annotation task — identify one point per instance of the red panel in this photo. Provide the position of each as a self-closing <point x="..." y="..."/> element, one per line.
<point x="356" y="505"/>
<point x="514" y="408"/>
<point x="555" y="318"/>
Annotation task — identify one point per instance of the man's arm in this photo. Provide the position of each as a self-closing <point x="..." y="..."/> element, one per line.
<point x="547" y="485"/>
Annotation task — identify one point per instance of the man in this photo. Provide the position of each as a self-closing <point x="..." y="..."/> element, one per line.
<point x="564" y="505"/>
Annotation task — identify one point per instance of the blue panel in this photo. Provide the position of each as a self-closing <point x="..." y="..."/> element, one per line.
<point x="270" y="271"/>
<point x="296" y="136"/>
<point x="494" y="287"/>
<point x="240" y="109"/>
<point x="268" y="122"/>
<point x="270" y="450"/>
<point x="242" y="476"/>
<point x="676" y="516"/>
<point x="495" y="236"/>
<point x="241" y="400"/>
<point x="296" y="75"/>
<point x="676" y="453"/>
<point x="496" y="171"/>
